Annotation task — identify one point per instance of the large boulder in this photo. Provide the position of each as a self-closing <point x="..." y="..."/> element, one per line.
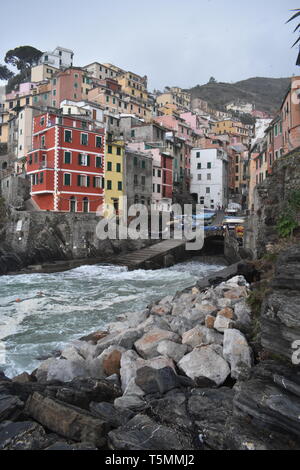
<point x="25" y="435"/>
<point x="157" y="380"/>
<point x="172" y="350"/>
<point x="125" y="339"/>
<point x="111" y="359"/>
<point x="201" y="336"/>
<point x="66" y="420"/>
<point x="147" y="345"/>
<point x="205" y="362"/>
<point x="237" y="352"/>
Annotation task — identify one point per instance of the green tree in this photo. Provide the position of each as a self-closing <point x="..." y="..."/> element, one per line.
<point x="5" y="73"/>
<point x="295" y="15"/>
<point x="212" y="80"/>
<point x="22" y="57"/>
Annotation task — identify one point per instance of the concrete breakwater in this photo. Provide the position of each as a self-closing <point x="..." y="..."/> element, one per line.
<point x="179" y="375"/>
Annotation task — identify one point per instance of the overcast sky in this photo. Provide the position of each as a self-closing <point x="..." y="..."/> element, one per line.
<point x="173" y="42"/>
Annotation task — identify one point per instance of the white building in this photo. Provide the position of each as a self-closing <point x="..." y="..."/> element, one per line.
<point x="59" y="58"/>
<point x="83" y="108"/>
<point x="102" y="71"/>
<point x="240" y="107"/>
<point x="209" y="172"/>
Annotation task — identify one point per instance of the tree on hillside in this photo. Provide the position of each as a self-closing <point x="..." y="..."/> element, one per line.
<point x="5" y="73"/>
<point x="296" y="29"/>
<point x="212" y="80"/>
<point x="22" y="57"/>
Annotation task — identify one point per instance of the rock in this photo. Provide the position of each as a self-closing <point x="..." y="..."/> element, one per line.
<point x="156" y="380"/>
<point x="10" y="407"/>
<point x="201" y="336"/>
<point x="130" y="402"/>
<point x="239" y="280"/>
<point x="59" y="445"/>
<point x="147" y="345"/>
<point x="206" y="309"/>
<point x="287" y="269"/>
<point x="223" y="303"/>
<point x="68" y="421"/>
<point x="164" y="309"/>
<point x="94" y="337"/>
<point x="195" y="291"/>
<point x="236" y="293"/>
<point x="171" y="410"/>
<point x="80" y="392"/>
<point x="205" y="362"/>
<point x="128" y="320"/>
<point x="25" y="435"/>
<point x="111" y="358"/>
<point x="237" y="352"/>
<point x="41" y="372"/>
<point x="130" y="362"/>
<point x="63" y="370"/>
<point x="209" y="321"/>
<point x="133" y="389"/>
<point x="142" y="433"/>
<point x="210" y="409"/>
<point x="223" y="323"/>
<point x="155" y="321"/>
<point x="180" y="325"/>
<point x="125" y="338"/>
<point x="226" y="312"/>
<point x="108" y="413"/>
<point x="242" y="314"/>
<point x="23" y="378"/>
<point x="166" y="300"/>
<point x="172" y="350"/>
<point x="71" y="354"/>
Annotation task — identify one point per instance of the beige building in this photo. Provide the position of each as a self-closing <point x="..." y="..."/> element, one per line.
<point x="42" y="72"/>
<point x="103" y="71"/>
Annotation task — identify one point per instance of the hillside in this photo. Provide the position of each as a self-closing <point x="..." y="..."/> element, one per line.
<point x="265" y="93"/>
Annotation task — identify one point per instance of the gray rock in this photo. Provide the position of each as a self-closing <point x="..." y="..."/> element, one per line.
<point x="25" y="435"/>
<point x="173" y="350"/>
<point x="130" y="402"/>
<point x="180" y="325"/>
<point x="156" y="380"/>
<point x="205" y="362"/>
<point x="201" y="336"/>
<point x="237" y="352"/>
<point x="147" y="345"/>
<point x="66" y="370"/>
<point x="242" y="314"/>
<point x="125" y="338"/>
<point x="10" y="407"/>
<point x="166" y="300"/>
<point x="108" y="413"/>
<point x="66" y="420"/>
<point x="142" y="433"/>
<point x="130" y="362"/>
<point x="222" y="323"/>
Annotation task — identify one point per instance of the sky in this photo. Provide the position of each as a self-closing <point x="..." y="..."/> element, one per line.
<point x="174" y="42"/>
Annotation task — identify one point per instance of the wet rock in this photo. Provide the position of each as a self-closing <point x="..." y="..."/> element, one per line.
<point x="201" y="336"/>
<point x="147" y="345"/>
<point x="156" y="380"/>
<point x="108" y="413"/>
<point x="205" y="362"/>
<point x="68" y="421"/>
<point x="237" y="352"/>
<point x="10" y="407"/>
<point x="172" y="350"/>
<point x="210" y="409"/>
<point x="25" y="435"/>
<point x="142" y="433"/>
<point x="125" y="338"/>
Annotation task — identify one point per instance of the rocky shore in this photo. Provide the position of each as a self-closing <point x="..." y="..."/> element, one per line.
<point x="184" y="374"/>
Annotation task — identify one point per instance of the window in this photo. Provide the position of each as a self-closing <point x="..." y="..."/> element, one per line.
<point x="68" y="136"/>
<point x="109" y="166"/>
<point x="159" y="173"/>
<point x="207" y="190"/>
<point x="109" y="184"/>
<point x="209" y="176"/>
<point x="84" y="139"/>
<point x="98" y="162"/>
<point x="72" y="204"/>
<point x="67" y="158"/>
<point x="119" y="185"/>
<point x="83" y="160"/>
<point x="198" y="155"/>
<point x="118" y="167"/>
<point x="158" y="188"/>
<point x="135" y="180"/>
<point x="54" y="92"/>
<point x="83" y="180"/>
<point x="85" y="204"/>
<point x="132" y="133"/>
<point x="98" y="141"/>
<point x="276" y="130"/>
<point x="135" y="161"/>
<point x="236" y="169"/>
<point x="143" y="180"/>
<point x="143" y="164"/>
<point x="198" y="166"/>
<point x="118" y="150"/>
<point x="153" y="188"/>
<point x="109" y="149"/>
<point x="67" y="179"/>
<point x="153" y="171"/>
<point x="97" y="182"/>
<point x="208" y="165"/>
<point x="199" y="177"/>
<point x="43" y="141"/>
<point x="41" y="178"/>
<point x="36" y="157"/>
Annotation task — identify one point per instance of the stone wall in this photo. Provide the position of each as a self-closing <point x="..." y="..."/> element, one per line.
<point x="269" y="201"/>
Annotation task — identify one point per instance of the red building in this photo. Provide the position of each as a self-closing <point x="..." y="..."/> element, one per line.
<point x="167" y="175"/>
<point x="66" y="163"/>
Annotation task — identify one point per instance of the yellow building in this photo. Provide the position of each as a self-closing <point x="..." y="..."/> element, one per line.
<point x="42" y="72"/>
<point x="134" y="85"/>
<point x="4" y="116"/>
<point x="176" y="97"/>
<point x="114" y="175"/>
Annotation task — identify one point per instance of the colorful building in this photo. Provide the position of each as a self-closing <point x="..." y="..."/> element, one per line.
<point x="114" y="175"/>
<point x="66" y="163"/>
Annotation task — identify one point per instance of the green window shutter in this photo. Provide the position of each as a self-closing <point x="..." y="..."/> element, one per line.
<point x="78" y="180"/>
<point x="88" y="181"/>
<point x="120" y="185"/>
<point x="67" y="179"/>
<point x="94" y="181"/>
<point x="67" y="157"/>
<point x="88" y="160"/>
<point x="109" y="166"/>
<point x="103" y="183"/>
<point x="98" y="162"/>
<point x="119" y="167"/>
<point x="79" y="159"/>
